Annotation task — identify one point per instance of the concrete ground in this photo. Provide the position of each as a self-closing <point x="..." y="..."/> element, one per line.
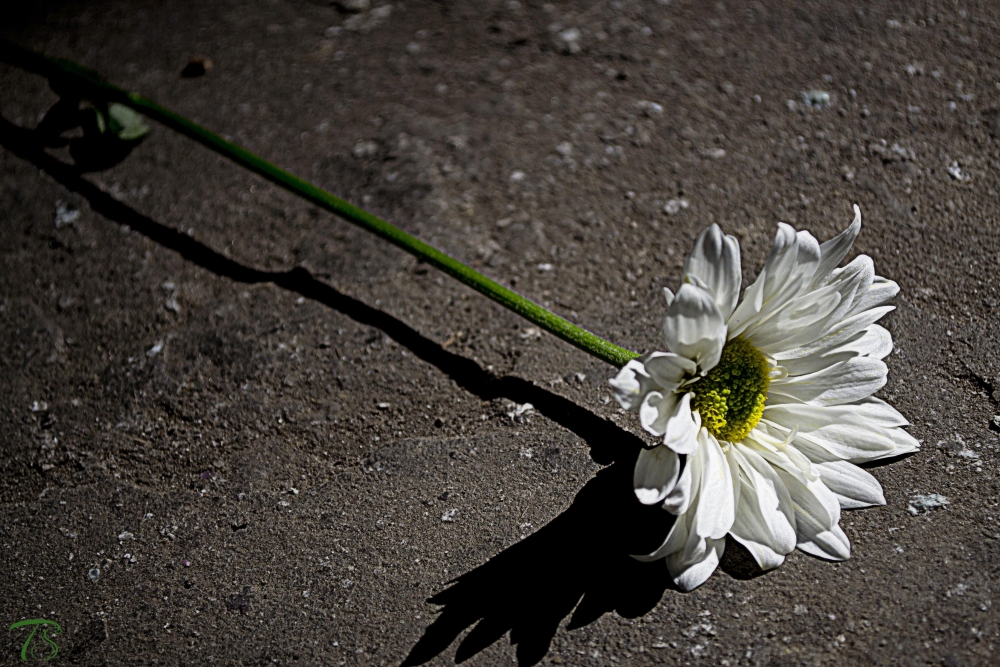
<point x="238" y="430"/>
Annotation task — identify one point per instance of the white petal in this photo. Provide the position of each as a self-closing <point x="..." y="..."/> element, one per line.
<point x="696" y="546"/>
<point x="689" y="576"/>
<point x="679" y="499"/>
<point x="830" y="544"/>
<point x="694" y="327"/>
<point x="767" y="471"/>
<point x="816" y="362"/>
<point x="689" y="558"/>
<point x="872" y="413"/>
<point x="766" y="556"/>
<point x="787" y="273"/>
<point x="668" y="369"/>
<point x="753" y="302"/>
<point x="655" y="410"/>
<point x="851" y="282"/>
<point x="627" y="385"/>
<point x="678" y="502"/>
<point x="874" y="342"/>
<point x="806" y="446"/>
<point x="854" y="281"/>
<point x="632" y="384"/>
<point x="834" y="250"/>
<point x="816" y="507"/>
<point x="781" y="260"/>
<point x="697" y="282"/>
<point x="681" y="431"/>
<point x="854" y="487"/>
<point x="656" y="472"/>
<point x="734" y="473"/>
<point x="668" y="296"/>
<point x="880" y="291"/>
<point x="715" y="511"/>
<point x="798" y="459"/>
<point x="807" y="255"/>
<point x="843" y="382"/>
<point x="813" y="314"/>
<point x="876" y="408"/>
<point x="837" y="334"/>
<point x="865" y="431"/>
<point x="787" y="458"/>
<point x="800" y="321"/>
<point x="817" y="514"/>
<point x="776" y="270"/>
<point x="760" y="526"/>
<point x="903" y="442"/>
<point x="715" y="261"/>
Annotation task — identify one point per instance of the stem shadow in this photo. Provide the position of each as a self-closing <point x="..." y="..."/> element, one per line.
<point x="607" y="441"/>
<point x="578" y="564"/>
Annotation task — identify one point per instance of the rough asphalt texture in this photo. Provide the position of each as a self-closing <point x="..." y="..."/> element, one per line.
<point x="237" y="430"/>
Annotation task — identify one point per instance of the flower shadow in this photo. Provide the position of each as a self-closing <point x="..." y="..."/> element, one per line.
<point x="579" y="564"/>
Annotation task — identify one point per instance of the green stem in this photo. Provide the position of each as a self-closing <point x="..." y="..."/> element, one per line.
<point x="88" y="83"/>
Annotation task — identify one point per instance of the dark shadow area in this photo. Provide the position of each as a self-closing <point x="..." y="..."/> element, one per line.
<point x="578" y="564"/>
<point x="20" y="15"/>
<point x="884" y="462"/>
<point x="738" y="563"/>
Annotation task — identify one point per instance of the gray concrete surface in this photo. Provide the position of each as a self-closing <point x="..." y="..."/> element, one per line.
<point x="281" y="441"/>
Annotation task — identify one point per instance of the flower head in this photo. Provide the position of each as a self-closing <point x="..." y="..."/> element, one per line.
<point x="769" y="399"/>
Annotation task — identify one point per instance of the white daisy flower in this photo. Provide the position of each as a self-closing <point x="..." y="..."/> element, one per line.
<point x="770" y="401"/>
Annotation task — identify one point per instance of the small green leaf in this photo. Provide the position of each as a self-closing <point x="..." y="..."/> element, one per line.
<point x="125" y="123"/>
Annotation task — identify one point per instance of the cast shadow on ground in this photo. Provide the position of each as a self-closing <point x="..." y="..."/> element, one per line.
<point x="578" y="564"/>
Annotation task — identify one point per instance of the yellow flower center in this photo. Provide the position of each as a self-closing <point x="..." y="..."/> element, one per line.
<point x="731" y="397"/>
